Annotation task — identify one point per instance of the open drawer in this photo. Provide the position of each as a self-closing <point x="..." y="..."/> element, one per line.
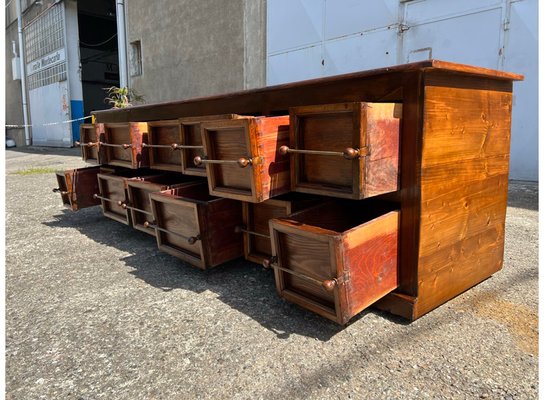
<point x="256" y="231"/>
<point x="90" y="136"/>
<point x="138" y="191"/>
<point x="242" y="157"/>
<point x="123" y="144"/>
<point x="174" y="144"/>
<point x="346" y="150"/>
<point x="78" y="186"/>
<point x="196" y="227"/>
<point x="112" y="192"/>
<point x="335" y="259"/>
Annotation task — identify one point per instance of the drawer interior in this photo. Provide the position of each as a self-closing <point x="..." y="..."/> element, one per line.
<point x="88" y="135"/>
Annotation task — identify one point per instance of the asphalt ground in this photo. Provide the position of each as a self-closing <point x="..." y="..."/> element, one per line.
<point x="95" y="311"/>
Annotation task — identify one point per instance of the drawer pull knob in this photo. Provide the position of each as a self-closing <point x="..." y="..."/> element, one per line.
<point x="349" y="153"/>
<point x="243" y="229"/>
<point x="124" y="145"/>
<point x="328" y="284"/>
<point x="242" y="161"/>
<point x="190" y="239"/>
<point x="88" y="144"/>
<point x="62" y="192"/>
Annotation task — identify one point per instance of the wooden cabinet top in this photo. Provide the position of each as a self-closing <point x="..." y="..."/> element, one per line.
<point x="383" y="84"/>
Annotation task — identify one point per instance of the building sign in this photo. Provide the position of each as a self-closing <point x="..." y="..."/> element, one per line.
<point x="47" y="61"/>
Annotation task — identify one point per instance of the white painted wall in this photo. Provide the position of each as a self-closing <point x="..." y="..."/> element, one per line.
<point x="316" y="38"/>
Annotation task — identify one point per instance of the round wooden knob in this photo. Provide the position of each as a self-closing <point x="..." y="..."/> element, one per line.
<point x="243" y="162"/>
<point x="329" y="284"/>
<point x="77" y="143"/>
<point x="351" y="153"/>
<point x="95" y="196"/>
<point x="146" y="224"/>
<point x="175" y="146"/>
<point x="198" y="161"/>
<point x="192" y="240"/>
<point x="126" y="146"/>
<point x="283" y="150"/>
<point x="267" y="262"/>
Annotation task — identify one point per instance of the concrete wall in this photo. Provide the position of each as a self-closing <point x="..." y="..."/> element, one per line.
<point x="197" y="47"/>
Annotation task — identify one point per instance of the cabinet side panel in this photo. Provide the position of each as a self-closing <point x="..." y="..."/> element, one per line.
<point x="464" y="185"/>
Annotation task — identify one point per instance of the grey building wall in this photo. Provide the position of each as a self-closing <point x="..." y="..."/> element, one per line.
<point x="14" y="107"/>
<point x="193" y="48"/>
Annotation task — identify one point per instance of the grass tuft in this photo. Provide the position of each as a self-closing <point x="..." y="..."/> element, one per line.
<point x="36" y="171"/>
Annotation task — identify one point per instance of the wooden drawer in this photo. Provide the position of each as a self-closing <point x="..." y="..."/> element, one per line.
<point x="112" y="193"/>
<point x="256" y="231"/>
<point x="347" y="150"/>
<point x="123" y="144"/>
<point x="174" y="144"/>
<point x="242" y="157"/>
<point x="196" y="227"/>
<point x="78" y="186"/>
<point x="335" y="259"/>
<point x="90" y="136"/>
<point x="138" y="191"/>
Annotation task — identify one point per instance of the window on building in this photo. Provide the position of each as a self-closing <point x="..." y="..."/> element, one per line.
<point x="136" y="58"/>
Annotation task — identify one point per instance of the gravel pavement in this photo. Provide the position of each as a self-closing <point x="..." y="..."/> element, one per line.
<point x="95" y="311"/>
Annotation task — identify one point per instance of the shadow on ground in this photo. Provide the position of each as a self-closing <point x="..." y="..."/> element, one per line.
<point x="244" y="286"/>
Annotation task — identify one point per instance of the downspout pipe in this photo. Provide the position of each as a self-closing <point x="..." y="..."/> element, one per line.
<point x="122" y="43"/>
<point x="23" y="71"/>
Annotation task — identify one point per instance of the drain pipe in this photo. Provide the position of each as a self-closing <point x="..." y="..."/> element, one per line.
<point x="122" y="43"/>
<point x="23" y="72"/>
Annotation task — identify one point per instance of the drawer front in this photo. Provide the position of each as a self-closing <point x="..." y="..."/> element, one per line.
<point x="78" y="186"/>
<point x="178" y="228"/>
<point x="335" y="273"/>
<point x="89" y="137"/>
<point x="139" y="204"/>
<point x="307" y="260"/>
<point x="347" y="150"/>
<point x="112" y="191"/>
<point x="123" y="143"/>
<point x="243" y="160"/>
<point x="162" y="154"/>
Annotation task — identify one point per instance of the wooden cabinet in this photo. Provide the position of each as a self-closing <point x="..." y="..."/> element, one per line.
<point x="450" y="182"/>
<point x="78" y="186"/>
<point x="348" y="150"/>
<point x="196" y="227"/>
<point x="138" y="191"/>
<point x="123" y="144"/>
<point x="242" y="157"/>
<point x="335" y="259"/>
<point x="255" y="229"/>
<point x="91" y="135"/>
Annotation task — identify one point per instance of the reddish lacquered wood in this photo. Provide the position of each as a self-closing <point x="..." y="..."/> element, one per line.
<point x="249" y="139"/>
<point x="366" y="132"/>
<point x="347" y="258"/>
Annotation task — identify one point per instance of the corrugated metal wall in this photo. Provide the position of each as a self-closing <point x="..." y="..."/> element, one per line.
<point x="315" y="38"/>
